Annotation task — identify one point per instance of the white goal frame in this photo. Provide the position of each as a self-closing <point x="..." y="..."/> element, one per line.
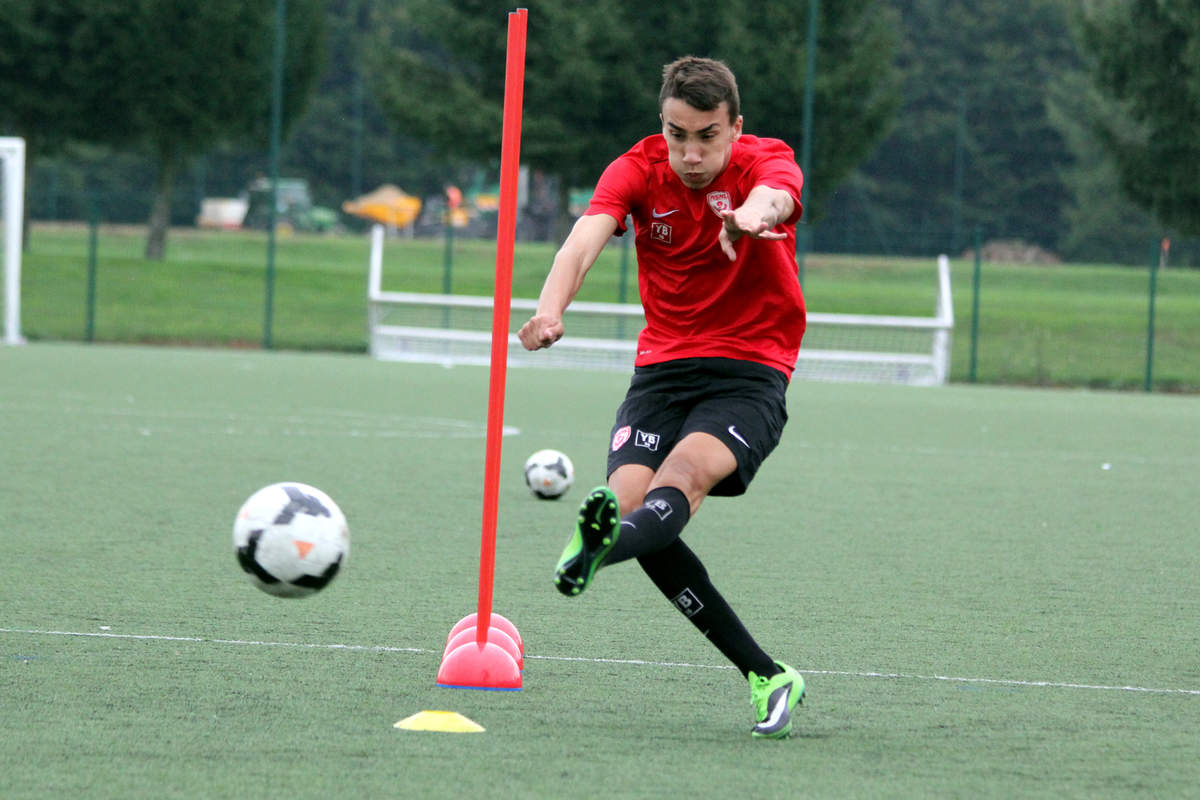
<point x="12" y="164"/>
<point x="924" y="362"/>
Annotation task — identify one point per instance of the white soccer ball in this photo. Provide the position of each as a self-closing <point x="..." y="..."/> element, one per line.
<point x="291" y="539"/>
<point x="549" y="474"/>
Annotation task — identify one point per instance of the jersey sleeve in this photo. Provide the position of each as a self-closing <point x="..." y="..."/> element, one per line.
<point x="617" y="190"/>
<point x="776" y="167"/>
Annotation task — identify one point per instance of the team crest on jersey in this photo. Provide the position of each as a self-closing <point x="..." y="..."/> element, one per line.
<point x="719" y="201"/>
<point x="660" y="231"/>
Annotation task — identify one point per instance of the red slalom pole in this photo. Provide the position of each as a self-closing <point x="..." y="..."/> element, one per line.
<point x="484" y="664"/>
<point x="506" y="230"/>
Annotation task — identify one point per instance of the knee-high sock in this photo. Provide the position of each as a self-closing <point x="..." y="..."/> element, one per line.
<point x="679" y="574"/>
<point x="652" y="526"/>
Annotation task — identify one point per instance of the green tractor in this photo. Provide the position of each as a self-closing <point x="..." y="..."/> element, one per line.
<point x="294" y="207"/>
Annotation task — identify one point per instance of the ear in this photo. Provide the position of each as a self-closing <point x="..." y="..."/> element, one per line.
<point x="737" y="127"/>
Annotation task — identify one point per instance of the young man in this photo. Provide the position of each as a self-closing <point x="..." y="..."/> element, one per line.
<point x="714" y="214"/>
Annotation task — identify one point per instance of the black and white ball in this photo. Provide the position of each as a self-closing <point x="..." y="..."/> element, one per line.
<point x="549" y="474"/>
<point x="291" y="539"/>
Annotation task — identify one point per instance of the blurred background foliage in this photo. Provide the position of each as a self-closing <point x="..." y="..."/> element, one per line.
<point x="1069" y="127"/>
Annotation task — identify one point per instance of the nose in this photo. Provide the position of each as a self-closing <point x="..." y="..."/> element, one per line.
<point x="692" y="155"/>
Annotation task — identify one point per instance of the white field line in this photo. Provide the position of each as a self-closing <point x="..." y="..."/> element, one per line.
<point x="628" y="661"/>
<point x="202" y="640"/>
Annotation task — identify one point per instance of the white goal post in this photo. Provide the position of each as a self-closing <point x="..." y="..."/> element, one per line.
<point x="12" y="164"/>
<point x="456" y="329"/>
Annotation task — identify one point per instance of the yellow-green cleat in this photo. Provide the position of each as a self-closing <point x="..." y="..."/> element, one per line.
<point x="595" y="534"/>
<point x="774" y="698"/>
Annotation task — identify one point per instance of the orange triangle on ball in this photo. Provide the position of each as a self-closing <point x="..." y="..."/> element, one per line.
<point x="303" y="547"/>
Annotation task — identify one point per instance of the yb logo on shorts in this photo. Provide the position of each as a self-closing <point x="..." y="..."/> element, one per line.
<point x="647" y="440"/>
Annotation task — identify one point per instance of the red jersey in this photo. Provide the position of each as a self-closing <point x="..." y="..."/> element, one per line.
<point x="698" y="303"/>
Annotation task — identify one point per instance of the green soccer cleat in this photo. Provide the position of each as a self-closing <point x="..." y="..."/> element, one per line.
<point x="595" y="534"/>
<point x="774" y="698"/>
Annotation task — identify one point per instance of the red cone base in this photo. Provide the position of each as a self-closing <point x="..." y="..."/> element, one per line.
<point x="495" y="636"/>
<point x="495" y="621"/>
<point x="475" y="666"/>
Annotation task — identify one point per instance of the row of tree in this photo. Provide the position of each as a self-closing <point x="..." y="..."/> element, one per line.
<point x="1072" y="126"/>
<point x="162" y="79"/>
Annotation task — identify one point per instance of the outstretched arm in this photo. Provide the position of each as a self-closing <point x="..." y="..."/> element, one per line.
<point x="571" y="264"/>
<point x="765" y="207"/>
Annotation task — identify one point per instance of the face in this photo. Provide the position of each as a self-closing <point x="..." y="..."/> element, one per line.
<point x="699" y="142"/>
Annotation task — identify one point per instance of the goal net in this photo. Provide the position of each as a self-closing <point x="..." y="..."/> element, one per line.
<point x="12" y="199"/>
<point x="456" y="329"/>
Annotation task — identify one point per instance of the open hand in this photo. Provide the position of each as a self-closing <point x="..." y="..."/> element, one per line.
<point x="745" y="221"/>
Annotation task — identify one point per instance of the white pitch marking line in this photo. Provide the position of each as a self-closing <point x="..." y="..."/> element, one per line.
<point x="1001" y="682"/>
<point x="630" y="661"/>
<point x="198" y="639"/>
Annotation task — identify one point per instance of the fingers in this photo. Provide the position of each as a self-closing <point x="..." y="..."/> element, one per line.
<point x="540" y="332"/>
<point x="733" y="230"/>
<point x="726" y="244"/>
<point x="736" y="223"/>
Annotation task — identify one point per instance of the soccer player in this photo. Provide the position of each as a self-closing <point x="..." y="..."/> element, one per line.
<point x="714" y="213"/>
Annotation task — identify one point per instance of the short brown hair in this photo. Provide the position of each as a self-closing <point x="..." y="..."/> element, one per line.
<point x="702" y="83"/>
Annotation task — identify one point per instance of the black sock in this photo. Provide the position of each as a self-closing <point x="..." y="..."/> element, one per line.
<point x="653" y="526"/>
<point x="680" y="575"/>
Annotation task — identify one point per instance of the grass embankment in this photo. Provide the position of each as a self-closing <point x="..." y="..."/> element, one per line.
<point x="1082" y="325"/>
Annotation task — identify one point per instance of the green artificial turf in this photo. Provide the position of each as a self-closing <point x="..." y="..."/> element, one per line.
<point x="990" y="591"/>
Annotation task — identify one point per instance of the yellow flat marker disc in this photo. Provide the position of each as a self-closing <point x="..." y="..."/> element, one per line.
<point x="443" y="721"/>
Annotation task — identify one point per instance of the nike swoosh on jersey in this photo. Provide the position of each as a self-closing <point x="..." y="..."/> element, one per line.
<point x="654" y="212"/>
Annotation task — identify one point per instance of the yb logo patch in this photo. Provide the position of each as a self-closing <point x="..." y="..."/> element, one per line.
<point x="647" y="440"/>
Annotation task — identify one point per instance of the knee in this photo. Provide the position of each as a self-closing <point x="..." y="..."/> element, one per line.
<point x="694" y="483"/>
<point x="695" y="466"/>
<point x="629" y="504"/>
<point x="630" y="484"/>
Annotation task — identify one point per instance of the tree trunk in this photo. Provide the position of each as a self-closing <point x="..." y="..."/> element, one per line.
<point x="160" y="212"/>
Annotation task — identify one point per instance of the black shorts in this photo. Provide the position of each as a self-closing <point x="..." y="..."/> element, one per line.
<point x="742" y="403"/>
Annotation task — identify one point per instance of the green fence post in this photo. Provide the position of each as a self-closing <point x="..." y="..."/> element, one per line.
<point x="1158" y="254"/>
<point x="448" y="255"/>
<point x="276" y="128"/>
<point x="93" y="238"/>
<point x="810" y="67"/>
<point x="622" y="292"/>
<point x="447" y="265"/>
<point x="975" y="305"/>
